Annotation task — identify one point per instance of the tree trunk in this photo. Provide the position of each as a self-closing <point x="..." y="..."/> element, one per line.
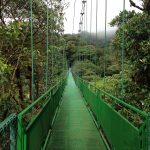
<point x="19" y="84"/>
<point x="145" y="8"/>
<point x="37" y="82"/>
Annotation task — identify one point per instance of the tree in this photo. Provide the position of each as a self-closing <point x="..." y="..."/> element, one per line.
<point x="137" y="56"/>
<point x="137" y="41"/>
<point x="145" y="5"/>
<point x="15" y="46"/>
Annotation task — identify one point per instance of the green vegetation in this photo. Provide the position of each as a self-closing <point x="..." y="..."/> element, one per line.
<point x="84" y="53"/>
<point x="137" y="54"/>
<point x="136" y="78"/>
<point x="89" y="57"/>
<point x="15" y="51"/>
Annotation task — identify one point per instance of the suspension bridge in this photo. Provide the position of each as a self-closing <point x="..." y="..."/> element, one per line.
<point x="73" y="114"/>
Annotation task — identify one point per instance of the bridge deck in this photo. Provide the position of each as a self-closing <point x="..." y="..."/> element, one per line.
<point x="74" y="128"/>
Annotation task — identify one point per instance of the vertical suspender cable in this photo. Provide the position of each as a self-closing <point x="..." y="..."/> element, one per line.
<point x="91" y="24"/>
<point x="52" y="25"/>
<point x="84" y="17"/>
<point x="96" y="36"/>
<point x="73" y="22"/>
<point x="96" y="19"/>
<point x="86" y="26"/>
<point x="47" y="46"/>
<point x="62" y="41"/>
<point x="64" y="54"/>
<point x="81" y="23"/>
<point x="74" y="15"/>
<point x="81" y="53"/>
<point x="123" y="42"/>
<point x="32" y="48"/>
<point x="82" y="29"/>
<point x="105" y="49"/>
<point x="91" y="19"/>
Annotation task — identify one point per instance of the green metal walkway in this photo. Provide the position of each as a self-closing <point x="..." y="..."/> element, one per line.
<point x="74" y="128"/>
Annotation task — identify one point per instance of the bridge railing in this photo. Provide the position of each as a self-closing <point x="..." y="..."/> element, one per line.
<point x="8" y="132"/>
<point x="34" y="122"/>
<point x="120" y="132"/>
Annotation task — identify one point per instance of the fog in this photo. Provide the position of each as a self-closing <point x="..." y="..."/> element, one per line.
<point x="114" y="7"/>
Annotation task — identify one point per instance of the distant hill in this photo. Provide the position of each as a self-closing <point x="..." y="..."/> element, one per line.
<point x="91" y="38"/>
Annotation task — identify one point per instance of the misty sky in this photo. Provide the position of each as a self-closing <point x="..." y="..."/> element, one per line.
<point x="114" y="7"/>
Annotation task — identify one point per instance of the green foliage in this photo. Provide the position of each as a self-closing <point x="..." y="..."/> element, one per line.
<point x="112" y="69"/>
<point x="136" y="80"/>
<point x="4" y="70"/>
<point x="133" y="94"/>
<point x="117" y="21"/>
<point x="137" y="46"/>
<point x="86" y="69"/>
<point x="15" y="51"/>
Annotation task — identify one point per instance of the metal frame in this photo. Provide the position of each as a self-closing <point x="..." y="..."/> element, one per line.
<point x="128" y="133"/>
<point x="148" y="131"/>
<point x="46" y="114"/>
<point x="10" y="122"/>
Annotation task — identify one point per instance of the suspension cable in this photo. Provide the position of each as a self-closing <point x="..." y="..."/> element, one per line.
<point x="73" y="23"/>
<point x="96" y="19"/>
<point x="32" y="49"/>
<point x="105" y="49"/>
<point x="84" y="18"/>
<point x="91" y="13"/>
<point x="86" y="28"/>
<point x="123" y="48"/>
<point x="83" y="26"/>
<point x="47" y="46"/>
<point x="82" y="29"/>
<point x="96" y="36"/>
<point x="81" y="19"/>
<point x="74" y="15"/>
<point x="52" y="40"/>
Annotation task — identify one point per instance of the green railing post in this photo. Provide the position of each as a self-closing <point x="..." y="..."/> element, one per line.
<point x="10" y="123"/>
<point x="113" y="123"/>
<point x="149" y="131"/>
<point x="99" y="94"/>
<point x="20" y="134"/>
<point x="30" y="134"/>
<point x="12" y="129"/>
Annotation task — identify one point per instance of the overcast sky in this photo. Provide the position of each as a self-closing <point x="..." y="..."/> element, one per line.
<point x="114" y="7"/>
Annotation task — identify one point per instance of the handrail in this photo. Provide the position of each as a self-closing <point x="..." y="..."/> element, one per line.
<point x="11" y="118"/>
<point x="27" y="131"/>
<point x="27" y="109"/>
<point x="109" y="120"/>
<point x="10" y="122"/>
<point x="144" y="114"/>
<point x="30" y="124"/>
